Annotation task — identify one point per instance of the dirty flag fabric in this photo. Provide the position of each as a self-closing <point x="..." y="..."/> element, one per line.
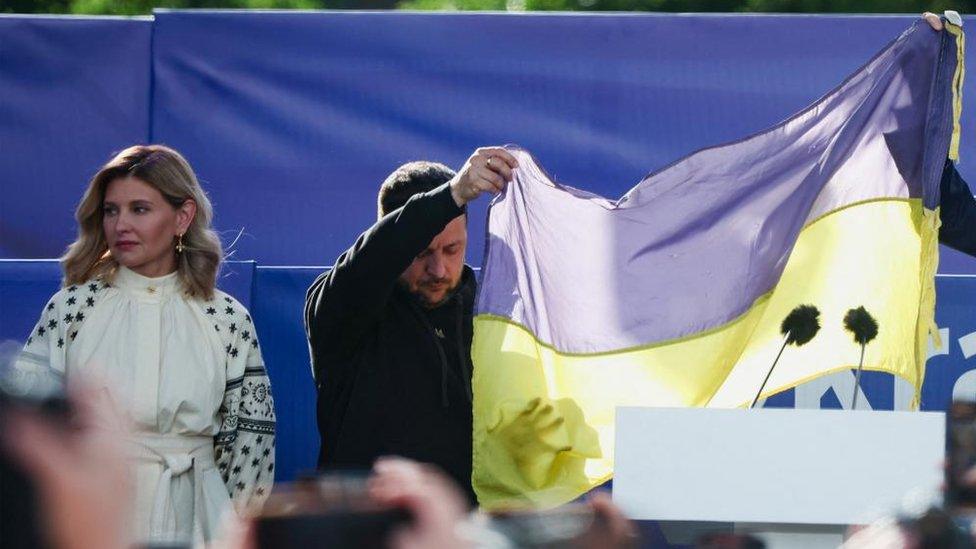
<point x="673" y="295"/>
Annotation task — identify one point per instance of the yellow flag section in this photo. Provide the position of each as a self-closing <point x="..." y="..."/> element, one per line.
<point x="544" y="420"/>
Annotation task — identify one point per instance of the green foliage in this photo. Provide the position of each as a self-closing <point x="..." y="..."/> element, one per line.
<point x="635" y="5"/>
<point x="452" y="5"/>
<point x="857" y="6"/>
<point x="34" y="6"/>
<point x="726" y="6"/>
<point x="145" y="7"/>
<point x="134" y="7"/>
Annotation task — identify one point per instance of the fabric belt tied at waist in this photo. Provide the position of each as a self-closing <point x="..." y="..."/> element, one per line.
<point x="184" y="459"/>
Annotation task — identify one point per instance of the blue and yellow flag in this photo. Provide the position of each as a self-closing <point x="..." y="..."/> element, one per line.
<point x="673" y="295"/>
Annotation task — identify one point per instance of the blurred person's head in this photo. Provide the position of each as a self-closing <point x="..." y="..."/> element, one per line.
<point x="61" y="450"/>
<point x="436" y="271"/>
<point x="145" y="210"/>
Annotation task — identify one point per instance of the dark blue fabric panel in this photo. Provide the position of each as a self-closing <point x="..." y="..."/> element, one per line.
<point x="955" y="311"/>
<point x="279" y="298"/>
<point x="295" y="118"/>
<point x="953" y="262"/>
<point x="26" y="285"/>
<point x="72" y="91"/>
<point x="292" y="119"/>
<point x="237" y="279"/>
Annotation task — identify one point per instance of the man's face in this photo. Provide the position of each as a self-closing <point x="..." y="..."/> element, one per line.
<point x="436" y="271"/>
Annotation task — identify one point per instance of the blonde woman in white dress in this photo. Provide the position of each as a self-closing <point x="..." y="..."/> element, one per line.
<point x="139" y="313"/>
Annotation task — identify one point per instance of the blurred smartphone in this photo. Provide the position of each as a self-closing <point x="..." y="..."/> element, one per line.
<point x="331" y="510"/>
<point x="726" y="540"/>
<point x="961" y="456"/>
<point x="563" y="526"/>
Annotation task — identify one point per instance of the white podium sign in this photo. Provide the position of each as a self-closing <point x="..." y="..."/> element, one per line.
<point x="774" y="465"/>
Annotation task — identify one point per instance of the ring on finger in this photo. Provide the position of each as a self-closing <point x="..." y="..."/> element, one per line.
<point x="488" y="163"/>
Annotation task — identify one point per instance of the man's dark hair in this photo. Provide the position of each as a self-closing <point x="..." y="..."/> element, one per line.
<point x="410" y="179"/>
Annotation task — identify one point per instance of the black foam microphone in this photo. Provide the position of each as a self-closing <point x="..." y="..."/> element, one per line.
<point x="860" y="323"/>
<point x="798" y="328"/>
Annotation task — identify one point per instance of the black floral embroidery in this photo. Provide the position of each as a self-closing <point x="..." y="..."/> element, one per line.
<point x="247" y="318"/>
<point x="260" y="392"/>
<point x="69" y="317"/>
<point x="50" y="306"/>
<point x="228" y="300"/>
<point x="211" y="311"/>
<point x="74" y="334"/>
<point x="52" y="324"/>
<point x="40" y="330"/>
<point x="30" y="340"/>
<point x="60" y="342"/>
<point x="72" y="288"/>
<point x="93" y="287"/>
<point x="254" y="343"/>
<point x="71" y="300"/>
<point x="90" y="302"/>
<point x="246" y="408"/>
<point x="80" y="316"/>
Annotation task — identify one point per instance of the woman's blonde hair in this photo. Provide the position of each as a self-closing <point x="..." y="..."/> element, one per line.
<point x="169" y="173"/>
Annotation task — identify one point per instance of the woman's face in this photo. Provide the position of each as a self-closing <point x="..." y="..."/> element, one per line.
<point x="140" y="226"/>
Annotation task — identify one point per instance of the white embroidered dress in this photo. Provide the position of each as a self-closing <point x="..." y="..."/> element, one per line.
<point x="188" y="374"/>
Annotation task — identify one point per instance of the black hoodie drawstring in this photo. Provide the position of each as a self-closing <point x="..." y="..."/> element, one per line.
<point x="463" y="357"/>
<point x="437" y="344"/>
<point x="464" y="360"/>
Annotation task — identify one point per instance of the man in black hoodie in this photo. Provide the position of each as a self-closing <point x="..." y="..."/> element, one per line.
<point x="389" y="326"/>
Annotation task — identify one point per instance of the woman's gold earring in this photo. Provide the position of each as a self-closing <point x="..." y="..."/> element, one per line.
<point x="179" y="244"/>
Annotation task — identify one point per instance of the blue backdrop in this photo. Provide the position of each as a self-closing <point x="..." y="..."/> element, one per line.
<point x="292" y="120"/>
<point x="71" y="91"/>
